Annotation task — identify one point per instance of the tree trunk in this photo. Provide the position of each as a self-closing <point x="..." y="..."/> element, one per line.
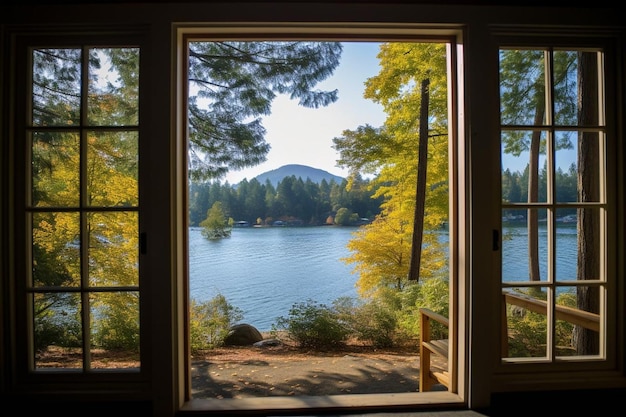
<point x="533" y="192"/>
<point x="587" y="341"/>
<point x="420" y="190"/>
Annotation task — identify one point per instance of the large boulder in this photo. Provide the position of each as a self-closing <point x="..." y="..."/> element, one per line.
<point x="242" y="335"/>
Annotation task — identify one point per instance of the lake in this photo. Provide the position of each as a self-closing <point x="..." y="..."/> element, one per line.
<point x="264" y="271"/>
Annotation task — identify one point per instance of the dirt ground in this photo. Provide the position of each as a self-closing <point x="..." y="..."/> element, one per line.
<point x="240" y="372"/>
<point x="283" y="370"/>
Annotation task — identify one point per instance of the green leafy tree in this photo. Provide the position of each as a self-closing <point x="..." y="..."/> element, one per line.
<point x="522" y="86"/>
<point x="345" y="217"/>
<point x="216" y="226"/>
<point x="234" y="83"/>
<point x="381" y="251"/>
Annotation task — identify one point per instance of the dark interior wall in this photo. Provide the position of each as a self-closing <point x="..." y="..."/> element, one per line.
<point x="573" y="403"/>
<point x="592" y="402"/>
<point x="518" y="3"/>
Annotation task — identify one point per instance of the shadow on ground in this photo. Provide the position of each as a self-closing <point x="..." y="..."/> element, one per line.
<point x="317" y="375"/>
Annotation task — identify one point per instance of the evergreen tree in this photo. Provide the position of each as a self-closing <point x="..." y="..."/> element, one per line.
<point x="233" y="84"/>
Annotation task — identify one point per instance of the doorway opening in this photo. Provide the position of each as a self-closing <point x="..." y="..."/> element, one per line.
<point x="311" y="246"/>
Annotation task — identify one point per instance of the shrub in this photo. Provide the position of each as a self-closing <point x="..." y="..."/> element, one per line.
<point x="432" y="293"/>
<point x="210" y="321"/>
<point x="313" y="325"/>
<point x="528" y="330"/>
<point x="372" y="321"/>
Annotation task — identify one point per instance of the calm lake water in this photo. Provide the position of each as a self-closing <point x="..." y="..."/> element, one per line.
<point x="264" y="271"/>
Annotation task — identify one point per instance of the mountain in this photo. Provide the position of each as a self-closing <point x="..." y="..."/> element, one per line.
<point x="299" y="171"/>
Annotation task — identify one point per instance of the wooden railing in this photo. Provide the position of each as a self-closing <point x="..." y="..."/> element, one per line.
<point x="569" y="314"/>
<point x="432" y="373"/>
<point x="437" y="372"/>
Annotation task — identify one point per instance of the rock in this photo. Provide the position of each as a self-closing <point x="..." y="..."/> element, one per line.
<point x="242" y="335"/>
<point x="267" y="343"/>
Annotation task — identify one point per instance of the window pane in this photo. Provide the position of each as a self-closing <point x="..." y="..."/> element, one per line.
<point x="56" y="250"/>
<point x="577" y="324"/>
<point x="566" y="167"/>
<point x="526" y="323"/>
<point x="524" y="161"/>
<point x="589" y="244"/>
<point x="113" y="249"/>
<point x="578" y="167"/>
<point x="576" y="92"/>
<point x="524" y="255"/>
<point x="522" y="87"/>
<point x="569" y="241"/>
<point x="57" y="330"/>
<point x="56" y="87"/>
<point x="113" y="98"/>
<point x="113" y="169"/>
<point x="115" y="329"/>
<point x="565" y="88"/>
<point x="566" y="239"/>
<point x="82" y="177"/>
<point x="55" y="169"/>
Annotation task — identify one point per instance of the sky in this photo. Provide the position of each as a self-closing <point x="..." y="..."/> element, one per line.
<point x="298" y="135"/>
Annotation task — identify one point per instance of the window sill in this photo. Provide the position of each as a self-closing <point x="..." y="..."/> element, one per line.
<point x="360" y="402"/>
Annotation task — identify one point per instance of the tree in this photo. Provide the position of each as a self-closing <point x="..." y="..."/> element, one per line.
<point x="575" y="80"/>
<point x="523" y="102"/>
<point x="215" y="225"/>
<point x="588" y="222"/>
<point x="346" y="217"/>
<point x="391" y="151"/>
<point x="233" y="83"/>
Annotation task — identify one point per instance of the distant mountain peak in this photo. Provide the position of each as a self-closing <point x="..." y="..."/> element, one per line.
<point x="316" y="175"/>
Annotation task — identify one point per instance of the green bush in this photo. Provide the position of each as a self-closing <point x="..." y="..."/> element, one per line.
<point x="432" y="293"/>
<point x="313" y="325"/>
<point x="57" y="322"/>
<point x="115" y="323"/>
<point x="210" y="321"/>
<point x="527" y="332"/>
<point x="371" y="322"/>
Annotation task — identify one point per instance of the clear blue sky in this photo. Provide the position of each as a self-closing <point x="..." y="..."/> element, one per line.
<point x="304" y="136"/>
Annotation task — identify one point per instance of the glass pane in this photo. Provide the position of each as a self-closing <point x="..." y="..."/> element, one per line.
<point x="56" y="87"/>
<point x="524" y="255"/>
<point x="56" y="250"/>
<point x="57" y="330"/>
<point x="55" y="169"/>
<point x="566" y="171"/>
<point x="522" y="87"/>
<point x="524" y="161"/>
<point x="578" y="322"/>
<point x="113" y="98"/>
<point x="526" y="323"/>
<point x="566" y="239"/>
<point x="589" y="244"/>
<point x="590" y="153"/>
<point x="565" y="78"/>
<point x="113" y="169"/>
<point x="115" y="330"/>
<point x="113" y="249"/>
<point x="576" y="92"/>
